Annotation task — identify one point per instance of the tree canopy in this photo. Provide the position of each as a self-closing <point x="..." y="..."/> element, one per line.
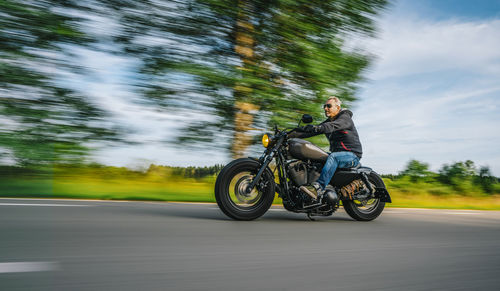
<point x="463" y="176"/>
<point x="43" y="121"/>
<point x="241" y="66"/>
<point x="251" y="64"/>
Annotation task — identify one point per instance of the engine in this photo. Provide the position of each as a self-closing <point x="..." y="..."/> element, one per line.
<point x="302" y="173"/>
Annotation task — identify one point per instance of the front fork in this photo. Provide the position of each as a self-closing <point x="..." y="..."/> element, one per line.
<point x="263" y="167"/>
<point x="265" y="161"/>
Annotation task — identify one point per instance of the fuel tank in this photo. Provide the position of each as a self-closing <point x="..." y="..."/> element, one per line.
<point x="305" y="150"/>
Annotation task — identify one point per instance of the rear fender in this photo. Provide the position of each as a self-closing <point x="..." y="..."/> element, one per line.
<point x="345" y="176"/>
<point x="383" y="194"/>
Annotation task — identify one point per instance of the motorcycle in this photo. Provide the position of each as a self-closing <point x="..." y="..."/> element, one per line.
<point x="246" y="187"/>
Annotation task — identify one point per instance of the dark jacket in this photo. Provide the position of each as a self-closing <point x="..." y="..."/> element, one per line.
<point x="340" y="132"/>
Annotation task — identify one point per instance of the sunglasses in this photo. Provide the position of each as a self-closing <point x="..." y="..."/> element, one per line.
<point x="327" y="106"/>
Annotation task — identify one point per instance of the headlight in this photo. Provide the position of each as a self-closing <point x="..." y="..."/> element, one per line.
<point x="265" y="140"/>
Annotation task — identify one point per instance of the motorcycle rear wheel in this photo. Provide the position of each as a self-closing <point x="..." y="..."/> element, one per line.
<point x="230" y="192"/>
<point x="366" y="210"/>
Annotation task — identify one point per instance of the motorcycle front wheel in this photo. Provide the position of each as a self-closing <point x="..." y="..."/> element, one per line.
<point x="366" y="210"/>
<point x="232" y="183"/>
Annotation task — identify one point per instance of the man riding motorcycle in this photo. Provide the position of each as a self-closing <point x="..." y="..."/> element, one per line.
<point x="344" y="141"/>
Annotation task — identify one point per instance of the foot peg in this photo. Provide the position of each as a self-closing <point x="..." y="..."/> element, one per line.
<point x="308" y="192"/>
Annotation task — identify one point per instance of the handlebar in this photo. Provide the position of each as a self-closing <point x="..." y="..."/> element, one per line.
<point x="288" y="130"/>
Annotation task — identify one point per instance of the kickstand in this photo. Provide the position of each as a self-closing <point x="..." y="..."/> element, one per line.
<point x="310" y="217"/>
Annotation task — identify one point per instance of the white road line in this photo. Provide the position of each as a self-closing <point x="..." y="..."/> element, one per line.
<point x="270" y="209"/>
<point x="30" y="204"/>
<point x="20" y="267"/>
<point x="462" y="213"/>
<point x="186" y="203"/>
<point x="436" y="212"/>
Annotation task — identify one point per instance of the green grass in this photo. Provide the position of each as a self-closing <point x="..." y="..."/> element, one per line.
<point x="453" y="201"/>
<point x="109" y="184"/>
<point x="108" y="189"/>
<point x="432" y="194"/>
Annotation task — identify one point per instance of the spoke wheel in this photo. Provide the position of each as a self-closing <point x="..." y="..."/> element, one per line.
<point x="366" y="206"/>
<point x="239" y="196"/>
<point x="232" y="191"/>
<point x="367" y="209"/>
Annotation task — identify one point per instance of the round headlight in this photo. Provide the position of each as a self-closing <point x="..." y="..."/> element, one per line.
<point x="265" y="140"/>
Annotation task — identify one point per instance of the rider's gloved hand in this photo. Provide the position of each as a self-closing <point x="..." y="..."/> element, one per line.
<point x="300" y="129"/>
<point x="294" y="134"/>
<point x="311" y="128"/>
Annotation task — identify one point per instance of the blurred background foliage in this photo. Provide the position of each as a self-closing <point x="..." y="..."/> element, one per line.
<point x="42" y="121"/>
<point x="464" y="178"/>
<point x="459" y="185"/>
<point x="252" y="64"/>
<point x="247" y="64"/>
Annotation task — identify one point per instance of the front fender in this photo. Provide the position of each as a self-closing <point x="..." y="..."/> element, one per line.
<point x="255" y="163"/>
<point x="259" y="165"/>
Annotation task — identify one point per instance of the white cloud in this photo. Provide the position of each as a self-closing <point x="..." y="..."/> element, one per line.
<point x="141" y="156"/>
<point x="413" y="46"/>
<point x="434" y="95"/>
<point x="108" y="86"/>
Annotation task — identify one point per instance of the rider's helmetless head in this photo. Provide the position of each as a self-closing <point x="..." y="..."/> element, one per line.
<point x="332" y="107"/>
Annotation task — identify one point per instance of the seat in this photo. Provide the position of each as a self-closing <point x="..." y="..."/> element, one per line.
<point x="352" y="168"/>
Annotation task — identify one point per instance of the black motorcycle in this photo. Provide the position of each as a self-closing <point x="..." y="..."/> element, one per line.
<point x="245" y="188"/>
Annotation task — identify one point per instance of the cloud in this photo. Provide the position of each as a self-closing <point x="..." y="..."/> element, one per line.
<point x="413" y="46"/>
<point x="434" y="94"/>
<point x="141" y="156"/>
<point x="108" y="86"/>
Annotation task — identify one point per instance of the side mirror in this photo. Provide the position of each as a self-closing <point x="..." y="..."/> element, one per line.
<point x="306" y="118"/>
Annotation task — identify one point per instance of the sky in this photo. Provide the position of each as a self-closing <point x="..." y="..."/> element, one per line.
<point x="434" y="91"/>
<point x="432" y="94"/>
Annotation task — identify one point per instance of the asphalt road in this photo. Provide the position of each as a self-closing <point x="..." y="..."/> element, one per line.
<point x="91" y="245"/>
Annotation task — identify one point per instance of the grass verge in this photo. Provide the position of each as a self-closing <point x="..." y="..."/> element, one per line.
<point x="157" y="188"/>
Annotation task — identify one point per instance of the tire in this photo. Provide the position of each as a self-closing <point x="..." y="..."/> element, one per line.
<point x="355" y="208"/>
<point x="231" y="183"/>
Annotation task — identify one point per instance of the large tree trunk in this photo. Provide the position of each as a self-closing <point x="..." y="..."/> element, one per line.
<point x="245" y="110"/>
<point x="243" y="120"/>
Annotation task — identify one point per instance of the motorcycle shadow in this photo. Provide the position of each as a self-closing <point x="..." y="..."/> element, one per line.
<point x="180" y="213"/>
<point x="212" y="212"/>
<point x="275" y="215"/>
<point x="290" y="216"/>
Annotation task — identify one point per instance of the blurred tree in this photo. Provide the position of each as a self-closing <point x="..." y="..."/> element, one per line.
<point x="458" y="170"/>
<point x="42" y="120"/>
<point x="459" y="174"/>
<point x="248" y="63"/>
<point x="416" y="170"/>
<point x="485" y="179"/>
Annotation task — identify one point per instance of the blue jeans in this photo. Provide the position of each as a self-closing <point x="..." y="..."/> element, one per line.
<point x="336" y="160"/>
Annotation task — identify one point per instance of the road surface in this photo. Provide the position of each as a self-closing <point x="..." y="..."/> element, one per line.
<point x="99" y="245"/>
